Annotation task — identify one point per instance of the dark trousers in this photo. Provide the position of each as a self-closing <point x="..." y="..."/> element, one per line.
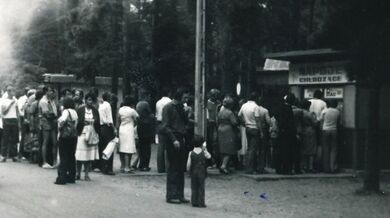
<point x="144" y="152"/>
<point x="162" y="160"/>
<point x="67" y="166"/>
<point x="10" y="138"/>
<point x="284" y="153"/>
<point x="197" y="189"/>
<point x="211" y="141"/>
<point x="297" y="154"/>
<point x="177" y="164"/>
<point x="254" y="162"/>
<point x="23" y="131"/>
<point x="105" y="136"/>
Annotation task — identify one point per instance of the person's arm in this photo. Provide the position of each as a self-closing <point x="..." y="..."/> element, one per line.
<point x="233" y="119"/>
<point x="63" y="118"/>
<point x="207" y="155"/>
<point x="189" y="162"/>
<point x="166" y="129"/>
<point x="109" y="115"/>
<point x="6" y="108"/>
<point x="258" y="121"/>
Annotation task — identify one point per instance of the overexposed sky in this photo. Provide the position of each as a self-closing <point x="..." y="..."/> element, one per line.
<point x="15" y="16"/>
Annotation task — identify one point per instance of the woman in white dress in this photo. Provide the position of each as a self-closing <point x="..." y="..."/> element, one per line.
<point x="127" y="118"/>
<point x="88" y="127"/>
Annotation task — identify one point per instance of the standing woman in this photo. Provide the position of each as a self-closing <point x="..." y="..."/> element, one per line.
<point x="127" y="118"/>
<point x="88" y="127"/>
<point x="309" y="137"/>
<point x="67" y="124"/>
<point x="227" y="134"/>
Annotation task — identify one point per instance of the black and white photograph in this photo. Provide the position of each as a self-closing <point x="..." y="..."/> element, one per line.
<point x="194" y="108"/>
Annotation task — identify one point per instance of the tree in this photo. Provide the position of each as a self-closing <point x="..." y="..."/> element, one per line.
<point x="362" y="28"/>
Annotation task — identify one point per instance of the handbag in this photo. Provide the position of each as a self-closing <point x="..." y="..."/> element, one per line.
<point x="68" y="130"/>
<point x="91" y="136"/>
<point x="110" y="148"/>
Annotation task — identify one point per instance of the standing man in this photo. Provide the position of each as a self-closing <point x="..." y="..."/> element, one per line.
<point x="173" y="131"/>
<point x="161" y="151"/>
<point x="211" y="115"/>
<point x="298" y="120"/>
<point x="145" y="130"/>
<point x="9" y="111"/>
<point x="107" y="133"/>
<point x="265" y="121"/>
<point x="48" y="113"/>
<point x="250" y="115"/>
<point x="22" y="103"/>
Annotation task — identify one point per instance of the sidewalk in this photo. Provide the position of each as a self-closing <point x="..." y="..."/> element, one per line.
<point x="215" y="172"/>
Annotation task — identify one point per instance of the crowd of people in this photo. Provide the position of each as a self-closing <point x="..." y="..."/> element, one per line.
<point x="292" y="138"/>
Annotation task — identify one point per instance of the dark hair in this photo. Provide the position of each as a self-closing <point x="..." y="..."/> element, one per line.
<point x="318" y="94"/>
<point x="128" y="101"/>
<point x="68" y="103"/>
<point x="78" y="90"/>
<point x="253" y="96"/>
<point x="290" y="98"/>
<point x="39" y="94"/>
<point x="332" y="103"/>
<point x="51" y="89"/>
<point x="91" y="95"/>
<point x="179" y="94"/>
<point x="63" y="93"/>
<point x="305" y="104"/>
<point x="228" y="102"/>
<point x="197" y="141"/>
<point x="106" y="96"/>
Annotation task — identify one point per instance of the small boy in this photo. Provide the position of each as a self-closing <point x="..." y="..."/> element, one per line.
<point x="196" y="166"/>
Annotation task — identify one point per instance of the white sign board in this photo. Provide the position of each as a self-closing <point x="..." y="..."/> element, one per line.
<point x="334" y="93"/>
<point x="318" y="73"/>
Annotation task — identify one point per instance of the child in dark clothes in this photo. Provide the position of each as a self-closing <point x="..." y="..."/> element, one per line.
<point x="196" y="166"/>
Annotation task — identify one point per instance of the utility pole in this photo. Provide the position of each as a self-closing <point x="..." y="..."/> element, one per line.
<point x="200" y="82"/>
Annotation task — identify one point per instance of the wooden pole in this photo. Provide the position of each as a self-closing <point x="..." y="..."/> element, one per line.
<point x="200" y="119"/>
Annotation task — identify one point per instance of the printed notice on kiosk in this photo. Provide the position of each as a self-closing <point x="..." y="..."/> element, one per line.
<point x="318" y="73"/>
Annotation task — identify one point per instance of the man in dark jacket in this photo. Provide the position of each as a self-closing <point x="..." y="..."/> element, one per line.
<point x="173" y="131"/>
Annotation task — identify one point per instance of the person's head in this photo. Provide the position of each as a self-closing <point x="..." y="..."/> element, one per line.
<point x="253" y="96"/>
<point x="66" y="93"/>
<point x="305" y="104"/>
<point x="10" y="91"/>
<point x="214" y="94"/>
<point x="228" y="102"/>
<point x="197" y="141"/>
<point x="186" y="98"/>
<point x="68" y="103"/>
<point x="106" y="96"/>
<point x="38" y="95"/>
<point x="51" y="93"/>
<point x="42" y="88"/>
<point x="332" y="103"/>
<point x="31" y="92"/>
<point x="90" y="99"/>
<point x="179" y="94"/>
<point x="318" y="94"/>
<point x="128" y="101"/>
<point x="289" y="99"/>
<point x="78" y="94"/>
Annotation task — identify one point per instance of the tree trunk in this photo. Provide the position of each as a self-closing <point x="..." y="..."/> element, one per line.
<point x="372" y="168"/>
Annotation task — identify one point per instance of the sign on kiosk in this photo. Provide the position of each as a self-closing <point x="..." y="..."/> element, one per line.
<point x="334" y="93"/>
<point x="318" y="73"/>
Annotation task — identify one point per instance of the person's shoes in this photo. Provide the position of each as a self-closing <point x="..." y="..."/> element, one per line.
<point x="47" y="166"/>
<point x="15" y="159"/>
<point x="86" y="178"/>
<point x="173" y="201"/>
<point x="184" y="201"/>
<point x="109" y="173"/>
<point x="195" y="205"/>
<point x="122" y="171"/>
<point x="59" y="182"/>
<point x="78" y="177"/>
<point x="223" y="171"/>
<point x="202" y="205"/>
<point x="3" y="159"/>
<point x="145" y="169"/>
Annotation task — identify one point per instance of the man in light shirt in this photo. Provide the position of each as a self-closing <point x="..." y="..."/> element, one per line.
<point x="250" y="115"/>
<point x="107" y="133"/>
<point x="317" y="104"/>
<point x="161" y="151"/>
<point x="9" y="111"/>
<point x="22" y="102"/>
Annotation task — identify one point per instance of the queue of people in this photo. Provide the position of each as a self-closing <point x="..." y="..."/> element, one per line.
<point x="294" y="137"/>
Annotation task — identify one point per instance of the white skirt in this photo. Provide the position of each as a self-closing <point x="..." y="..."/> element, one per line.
<point x="127" y="138"/>
<point x="86" y="152"/>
